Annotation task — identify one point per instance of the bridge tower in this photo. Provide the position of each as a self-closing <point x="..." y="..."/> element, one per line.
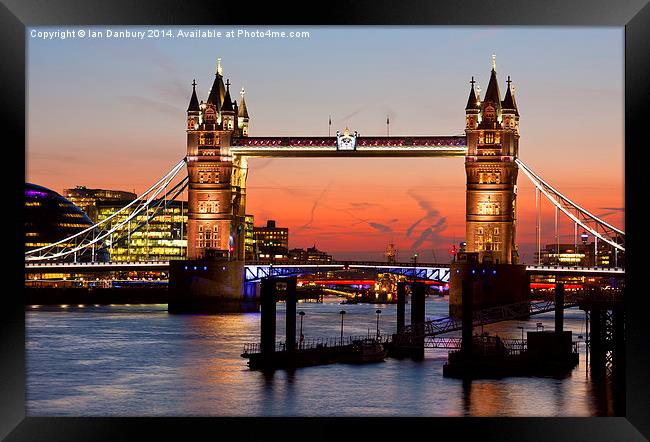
<point x="492" y="131"/>
<point x="490" y="260"/>
<point x="211" y="278"/>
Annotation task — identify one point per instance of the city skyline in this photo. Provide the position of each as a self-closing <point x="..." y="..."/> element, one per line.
<point x="351" y="208"/>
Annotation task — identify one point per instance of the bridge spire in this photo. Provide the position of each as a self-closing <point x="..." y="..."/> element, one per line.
<point x="194" y="102"/>
<point x="243" y="112"/>
<point x="217" y="91"/>
<point x="472" y="100"/>
<point x="508" y="102"/>
<point x="491" y="104"/>
<point x="226" y="105"/>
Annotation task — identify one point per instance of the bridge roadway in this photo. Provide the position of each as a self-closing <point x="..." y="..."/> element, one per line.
<point x="255" y="271"/>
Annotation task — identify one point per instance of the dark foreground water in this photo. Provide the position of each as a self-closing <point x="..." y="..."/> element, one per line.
<point x="141" y="361"/>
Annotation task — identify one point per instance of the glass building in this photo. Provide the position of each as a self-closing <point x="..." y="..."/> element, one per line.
<point x="162" y="237"/>
<point x="49" y="218"/>
<point x="87" y="199"/>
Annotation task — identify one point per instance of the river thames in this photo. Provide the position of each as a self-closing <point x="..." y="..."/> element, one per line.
<point x="138" y="360"/>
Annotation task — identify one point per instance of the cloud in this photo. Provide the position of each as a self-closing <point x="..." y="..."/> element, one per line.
<point x="154" y="105"/>
<point x="424" y="205"/>
<point x="413" y="226"/>
<point x="423" y="236"/>
<point x="430" y="212"/>
<point x="381" y="227"/>
<point x="375" y="225"/>
<point x="313" y="209"/>
<point x="174" y="90"/>
<point x="619" y="209"/>
<point x="437" y="224"/>
<point x="431" y="233"/>
<point x="362" y="206"/>
<point x="347" y="117"/>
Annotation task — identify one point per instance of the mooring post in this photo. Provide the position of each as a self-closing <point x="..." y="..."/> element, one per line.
<point x="291" y="300"/>
<point x="417" y="319"/>
<point x="467" y="298"/>
<point x="267" y="317"/>
<point x="401" y="303"/>
<point x="559" y="308"/>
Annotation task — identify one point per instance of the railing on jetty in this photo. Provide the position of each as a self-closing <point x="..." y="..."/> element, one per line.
<point x="314" y="343"/>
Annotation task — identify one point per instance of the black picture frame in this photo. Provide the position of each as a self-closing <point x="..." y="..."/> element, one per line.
<point x="15" y="15"/>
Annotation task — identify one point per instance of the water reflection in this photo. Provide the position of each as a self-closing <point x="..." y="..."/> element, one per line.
<point x="141" y="361"/>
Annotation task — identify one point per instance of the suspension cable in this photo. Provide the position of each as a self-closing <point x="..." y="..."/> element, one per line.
<point x="543" y="186"/>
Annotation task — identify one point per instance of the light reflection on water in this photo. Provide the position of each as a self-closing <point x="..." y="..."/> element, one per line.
<point x="141" y="361"/>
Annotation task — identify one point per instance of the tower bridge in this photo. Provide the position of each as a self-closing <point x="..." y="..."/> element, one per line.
<point x="216" y="159"/>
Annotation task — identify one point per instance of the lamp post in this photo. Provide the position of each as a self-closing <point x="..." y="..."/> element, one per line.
<point x="522" y="333"/>
<point x="302" y="338"/>
<point x="342" y="312"/>
<point x="378" y="313"/>
<point x="415" y="264"/>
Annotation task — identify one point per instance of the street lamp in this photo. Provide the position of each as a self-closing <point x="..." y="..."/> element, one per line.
<point x="415" y="265"/>
<point x="301" y="313"/>
<point x="342" y="312"/>
<point x="378" y="313"/>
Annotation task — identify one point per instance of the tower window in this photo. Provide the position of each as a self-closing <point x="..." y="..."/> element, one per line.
<point x="200" y="242"/>
<point x="489" y="137"/>
<point x="488" y="207"/>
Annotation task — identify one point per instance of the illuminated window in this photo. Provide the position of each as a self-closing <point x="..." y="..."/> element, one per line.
<point x="478" y="239"/>
<point x="208" y="237"/>
<point x="200" y="241"/>
<point x="488" y="207"/>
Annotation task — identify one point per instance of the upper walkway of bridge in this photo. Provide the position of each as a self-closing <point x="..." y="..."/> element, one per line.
<point x="427" y="146"/>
